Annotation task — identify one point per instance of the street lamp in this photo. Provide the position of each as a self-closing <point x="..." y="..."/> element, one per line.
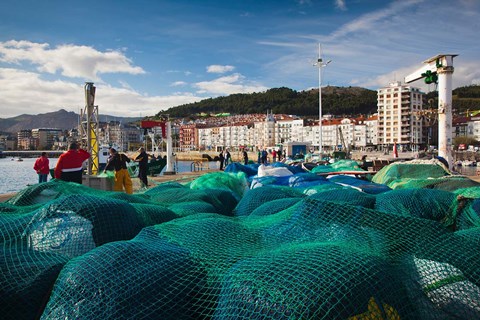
<point x="320" y="64"/>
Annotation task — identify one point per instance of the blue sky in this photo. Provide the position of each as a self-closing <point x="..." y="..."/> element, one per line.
<point x="147" y="56"/>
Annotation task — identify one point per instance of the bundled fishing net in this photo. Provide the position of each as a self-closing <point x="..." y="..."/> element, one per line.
<point x="215" y="250"/>
<point x="340" y="165"/>
<point x="415" y="173"/>
<point x="234" y="182"/>
<point x="314" y="259"/>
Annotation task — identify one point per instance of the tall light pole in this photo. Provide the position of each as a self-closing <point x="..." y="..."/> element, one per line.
<point x="320" y="64"/>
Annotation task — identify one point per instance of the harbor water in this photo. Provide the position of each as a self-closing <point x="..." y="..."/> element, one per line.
<point x="17" y="175"/>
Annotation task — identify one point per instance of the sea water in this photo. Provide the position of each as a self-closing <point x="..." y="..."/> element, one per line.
<point x="18" y="175"/>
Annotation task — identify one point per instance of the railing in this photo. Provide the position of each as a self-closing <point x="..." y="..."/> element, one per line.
<point x="199" y="166"/>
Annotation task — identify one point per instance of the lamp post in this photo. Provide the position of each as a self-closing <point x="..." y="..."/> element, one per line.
<point x="320" y="64"/>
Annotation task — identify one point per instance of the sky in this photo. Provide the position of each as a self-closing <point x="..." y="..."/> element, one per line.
<point x="145" y="56"/>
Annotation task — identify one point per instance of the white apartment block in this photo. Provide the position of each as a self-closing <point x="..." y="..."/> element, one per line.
<point x="473" y="128"/>
<point x="399" y="108"/>
<point x="264" y="132"/>
<point x="372" y="130"/>
<point x="223" y="137"/>
<point x="290" y="130"/>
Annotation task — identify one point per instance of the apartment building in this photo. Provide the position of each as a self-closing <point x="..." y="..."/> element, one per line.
<point x="399" y="115"/>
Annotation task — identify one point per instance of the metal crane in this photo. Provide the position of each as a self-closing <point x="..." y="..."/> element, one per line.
<point x="342" y="140"/>
<point x="89" y="128"/>
<point x="440" y="69"/>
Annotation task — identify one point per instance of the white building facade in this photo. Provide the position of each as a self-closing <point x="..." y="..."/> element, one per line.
<point x="399" y="110"/>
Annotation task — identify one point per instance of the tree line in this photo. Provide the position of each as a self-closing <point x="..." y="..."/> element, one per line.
<point x="338" y="101"/>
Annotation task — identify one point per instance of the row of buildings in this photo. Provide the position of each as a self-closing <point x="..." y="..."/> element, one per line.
<point x="401" y="118"/>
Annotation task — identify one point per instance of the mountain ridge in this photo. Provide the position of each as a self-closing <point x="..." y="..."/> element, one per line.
<point x="61" y="119"/>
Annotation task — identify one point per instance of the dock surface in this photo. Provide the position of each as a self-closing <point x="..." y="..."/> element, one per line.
<point x="181" y="177"/>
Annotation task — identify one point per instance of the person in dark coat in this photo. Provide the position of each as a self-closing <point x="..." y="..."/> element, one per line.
<point x="221" y="159"/>
<point x="264" y="156"/>
<point x="245" y="157"/>
<point x="142" y="160"/>
<point x="118" y="163"/>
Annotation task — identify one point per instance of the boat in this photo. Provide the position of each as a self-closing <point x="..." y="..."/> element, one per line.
<point x="468" y="163"/>
<point x="19" y="159"/>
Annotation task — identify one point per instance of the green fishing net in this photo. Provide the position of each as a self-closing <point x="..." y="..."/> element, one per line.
<point x="213" y="249"/>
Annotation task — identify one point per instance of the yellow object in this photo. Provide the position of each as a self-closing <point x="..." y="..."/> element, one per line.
<point x="375" y="313"/>
<point x="122" y="179"/>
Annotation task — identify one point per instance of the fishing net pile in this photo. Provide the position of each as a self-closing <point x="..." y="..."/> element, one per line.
<point x="308" y="247"/>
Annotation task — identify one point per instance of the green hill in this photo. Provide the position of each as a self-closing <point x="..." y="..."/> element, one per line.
<point x="335" y="100"/>
<point x="463" y="99"/>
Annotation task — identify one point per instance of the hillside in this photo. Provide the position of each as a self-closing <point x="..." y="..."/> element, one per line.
<point x="60" y="119"/>
<point x="335" y="100"/>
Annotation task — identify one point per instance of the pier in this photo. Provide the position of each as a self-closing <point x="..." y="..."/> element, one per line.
<point x="30" y="153"/>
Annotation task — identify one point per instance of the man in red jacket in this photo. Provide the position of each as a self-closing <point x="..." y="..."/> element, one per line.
<point x="42" y="167"/>
<point x="70" y="164"/>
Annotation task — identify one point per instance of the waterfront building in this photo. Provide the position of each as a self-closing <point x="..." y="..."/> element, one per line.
<point x="399" y="115"/>
<point x="188" y="138"/>
<point x="472" y="128"/>
<point x="23" y="142"/>
<point x="371" y="124"/>
<point x="46" y="137"/>
<point x="264" y="132"/>
<point x="28" y="143"/>
<point x="288" y="129"/>
<point x="123" y="136"/>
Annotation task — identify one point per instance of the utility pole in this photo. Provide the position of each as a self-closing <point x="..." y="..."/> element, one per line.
<point x="320" y="64"/>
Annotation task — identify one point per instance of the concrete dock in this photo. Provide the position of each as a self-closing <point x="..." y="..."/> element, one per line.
<point x="181" y="177"/>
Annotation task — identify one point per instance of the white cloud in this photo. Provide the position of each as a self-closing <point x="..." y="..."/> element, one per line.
<point x="465" y="73"/>
<point x="26" y="92"/>
<point x="340" y="4"/>
<point x="178" y="84"/>
<point x="368" y="21"/>
<point x="219" y="69"/>
<point x="228" y="85"/>
<point x="70" y="60"/>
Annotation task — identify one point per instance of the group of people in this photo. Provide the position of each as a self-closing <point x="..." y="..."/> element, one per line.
<point x="118" y="162"/>
<point x="225" y="158"/>
<point x="263" y="156"/>
<point x="69" y="167"/>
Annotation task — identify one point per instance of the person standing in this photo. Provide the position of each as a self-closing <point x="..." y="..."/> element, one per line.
<point x="70" y="164"/>
<point x="264" y="156"/>
<point x="118" y="162"/>
<point x="245" y="157"/>
<point x="227" y="158"/>
<point x="42" y="167"/>
<point x="274" y="155"/>
<point x="142" y="160"/>
<point x="221" y="158"/>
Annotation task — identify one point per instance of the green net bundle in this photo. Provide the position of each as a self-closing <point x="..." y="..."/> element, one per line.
<point x="419" y="170"/>
<point x="213" y="249"/>
<point x="340" y="165"/>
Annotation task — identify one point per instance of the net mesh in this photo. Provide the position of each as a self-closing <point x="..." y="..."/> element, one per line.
<point x="214" y="249"/>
